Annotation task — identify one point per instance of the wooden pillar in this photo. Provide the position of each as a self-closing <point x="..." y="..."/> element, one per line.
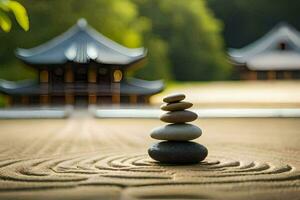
<point x="92" y="78"/>
<point x="92" y="99"/>
<point x="44" y="76"/>
<point x="133" y="99"/>
<point x="146" y="100"/>
<point x="92" y="75"/>
<point x="44" y="99"/>
<point x="116" y="87"/>
<point x="69" y="76"/>
<point x="252" y="75"/>
<point x="271" y="75"/>
<point x="116" y="99"/>
<point x="287" y="75"/>
<point x="24" y="100"/>
<point x="69" y="99"/>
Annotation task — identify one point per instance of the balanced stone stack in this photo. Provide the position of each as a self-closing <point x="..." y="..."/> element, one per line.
<point x="177" y="147"/>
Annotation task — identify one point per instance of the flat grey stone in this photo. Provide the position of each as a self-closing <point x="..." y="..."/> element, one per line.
<point x="174" y="98"/>
<point x="176" y="132"/>
<point x="178" y="152"/>
<point x="182" y="105"/>
<point x="178" y="116"/>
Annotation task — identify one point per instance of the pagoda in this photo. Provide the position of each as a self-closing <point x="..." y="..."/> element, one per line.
<point x="81" y="67"/>
<point x="274" y="56"/>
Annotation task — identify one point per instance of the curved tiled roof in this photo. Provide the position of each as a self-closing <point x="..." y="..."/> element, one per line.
<point x="81" y="44"/>
<point x="265" y="54"/>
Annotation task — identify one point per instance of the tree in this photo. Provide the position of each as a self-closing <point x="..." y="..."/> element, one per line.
<point x="158" y="64"/>
<point x="19" y="12"/>
<point x="193" y="37"/>
<point x="247" y="20"/>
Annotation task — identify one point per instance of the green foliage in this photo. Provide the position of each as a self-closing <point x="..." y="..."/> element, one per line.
<point x="247" y="20"/>
<point x="157" y="66"/>
<point x="5" y="22"/>
<point x="15" y="71"/>
<point x="2" y="101"/>
<point x="193" y="35"/>
<point x="19" y="12"/>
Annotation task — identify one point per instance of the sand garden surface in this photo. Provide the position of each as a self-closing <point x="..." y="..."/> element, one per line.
<point x="87" y="158"/>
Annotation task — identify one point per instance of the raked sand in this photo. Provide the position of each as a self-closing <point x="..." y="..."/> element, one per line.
<point x="87" y="158"/>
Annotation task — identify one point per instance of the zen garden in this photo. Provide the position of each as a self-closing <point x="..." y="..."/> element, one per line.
<point x="149" y="99"/>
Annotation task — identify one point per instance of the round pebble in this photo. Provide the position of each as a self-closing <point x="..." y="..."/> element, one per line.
<point x="178" y="116"/>
<point x="174" y="98"/>
<point x="178" y="152"/>
<point x="176" y="132"/>
<point x="182" y="105"/>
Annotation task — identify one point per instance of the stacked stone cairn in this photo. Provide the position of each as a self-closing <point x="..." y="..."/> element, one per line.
<point x="177" y="147"/>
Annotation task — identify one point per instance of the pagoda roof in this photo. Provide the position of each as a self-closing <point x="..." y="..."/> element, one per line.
<point x="127" y="87"/>
<point x="266" y="54"/>
<point x="81" y="44"/>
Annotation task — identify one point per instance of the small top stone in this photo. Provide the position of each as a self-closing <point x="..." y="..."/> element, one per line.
<point x="182" y="105"/>
<point x="174" y="98"/>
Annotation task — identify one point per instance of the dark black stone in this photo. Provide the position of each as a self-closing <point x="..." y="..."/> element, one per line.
<point x="178" y="152"/>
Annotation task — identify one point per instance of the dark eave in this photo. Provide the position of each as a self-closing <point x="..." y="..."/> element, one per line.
<point x="81" y="44"/>
<point x="8" y="87"/>
<point x="127" y="87"/>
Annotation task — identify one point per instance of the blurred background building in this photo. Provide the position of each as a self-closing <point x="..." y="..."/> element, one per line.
<point x="81" y="67"/>
<point x="274" y="56"/>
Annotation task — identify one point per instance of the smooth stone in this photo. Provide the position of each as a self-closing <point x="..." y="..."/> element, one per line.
<point x="176" y="132"/>
<point x="178" y="152"/>
<point x="182" y="105"/>
<point x="178" y="116"/>
<point x="174" y="98"/>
